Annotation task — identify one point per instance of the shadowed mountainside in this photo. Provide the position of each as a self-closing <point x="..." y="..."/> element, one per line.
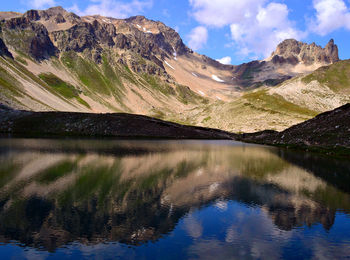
<point x="329" y="131"/>
<point x="89" y="124"/>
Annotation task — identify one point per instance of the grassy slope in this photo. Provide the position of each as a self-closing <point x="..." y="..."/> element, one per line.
<point x="107" y="84"/>
<point x="335" y="76"/>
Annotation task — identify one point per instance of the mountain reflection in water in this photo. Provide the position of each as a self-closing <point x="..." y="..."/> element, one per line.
<point x="192" y="199"/>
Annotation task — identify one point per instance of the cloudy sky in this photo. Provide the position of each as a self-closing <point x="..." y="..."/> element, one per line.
<point x="233" y="31"/>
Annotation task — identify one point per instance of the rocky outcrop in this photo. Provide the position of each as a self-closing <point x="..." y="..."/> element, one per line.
<point x="167" y="38"/>
<point x="28" y="37"/>
<point x="54" y="14"/>
<point x="78" y="38"/>
<point x="32" y="15"/>
<point x="280" y="66"/>
<point x="99" y="35"/>
<point x="292" y="52"/>
<point x="3" y="49"/>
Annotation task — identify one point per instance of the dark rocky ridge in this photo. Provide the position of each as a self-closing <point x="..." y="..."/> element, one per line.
<point x="114" y="125"/>
<point x="327" y="132"/>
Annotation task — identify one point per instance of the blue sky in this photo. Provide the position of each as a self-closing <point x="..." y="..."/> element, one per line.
<point x="236" y="30"/>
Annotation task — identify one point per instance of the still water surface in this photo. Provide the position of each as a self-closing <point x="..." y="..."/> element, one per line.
<point x="110" y="199"/>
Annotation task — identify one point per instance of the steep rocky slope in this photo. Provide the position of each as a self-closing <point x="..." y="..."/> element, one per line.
<point x="55" y="60"/>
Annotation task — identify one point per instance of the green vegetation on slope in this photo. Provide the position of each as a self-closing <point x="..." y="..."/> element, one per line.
<point x="186" y="95"/>
<point x="112" y="79"/>
<point x="87" y="72"/>
<point x="19" y="39"/>
<point x="335" y="76"/>
<point x="275" y="103"/>
<point x="159" y="85"/>
<point x="62" y="87"/>
<point x="9" y="85"/>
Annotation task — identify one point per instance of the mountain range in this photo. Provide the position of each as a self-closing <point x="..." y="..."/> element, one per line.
<point x="55" y="60"/>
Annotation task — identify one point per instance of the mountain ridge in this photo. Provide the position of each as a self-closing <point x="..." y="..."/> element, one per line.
<point x="62" y="62"/>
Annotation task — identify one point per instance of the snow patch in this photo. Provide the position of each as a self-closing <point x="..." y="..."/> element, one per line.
<point x="194" y="74"/>
<point x="175" y="54"/>
<point x="148" y="32"/>
<point x="138" y="26"/>
<point x="216" y="78"/>
<point x="169" y="65"/>
<point x="201" y="92"/>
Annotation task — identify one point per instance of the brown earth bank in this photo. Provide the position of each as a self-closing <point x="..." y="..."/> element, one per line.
<point x="18" y="122"/>
<point x="328" y="132"/>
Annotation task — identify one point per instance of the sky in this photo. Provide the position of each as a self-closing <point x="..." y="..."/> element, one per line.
<point x="232" y="31"/>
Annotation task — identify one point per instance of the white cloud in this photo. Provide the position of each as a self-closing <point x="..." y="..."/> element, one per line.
<point x="198" y="37"/>
<point x="41" y="4"/>
<point x="330" y="15"/>
<point x="256" y="26"/>
<point x="223" y="12"/>
<point x="113" y="8"/>
<point x="225" y="60"/>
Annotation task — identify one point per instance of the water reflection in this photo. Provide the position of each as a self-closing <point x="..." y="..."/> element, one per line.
<point x="208" y="198"/>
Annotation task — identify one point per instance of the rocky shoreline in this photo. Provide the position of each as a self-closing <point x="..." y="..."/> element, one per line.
<point x="328" y="133"/>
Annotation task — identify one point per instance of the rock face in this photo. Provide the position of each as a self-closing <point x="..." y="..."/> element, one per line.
<point x="3" y="49"/>
<point x="281" y="65"/>
<point x="54" y="14"/>
<point x="292" y="52"/>
<point x="28" y="37"/>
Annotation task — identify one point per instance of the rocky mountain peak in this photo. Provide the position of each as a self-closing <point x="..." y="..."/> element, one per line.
<point x="332" y="50"/>
<point x="55" y="15"/>
<point x="291" y="51"/>
<point x="57" y="10"/>
<point x="137" y="18"/>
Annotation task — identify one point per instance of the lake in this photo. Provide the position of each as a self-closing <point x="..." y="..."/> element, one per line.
<point x="123" y="199"/>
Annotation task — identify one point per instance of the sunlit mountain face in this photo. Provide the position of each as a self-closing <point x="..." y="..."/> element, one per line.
<point x="144" y="199"/>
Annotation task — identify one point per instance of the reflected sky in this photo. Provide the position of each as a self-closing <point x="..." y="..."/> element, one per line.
<point x="170" y="200"/>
